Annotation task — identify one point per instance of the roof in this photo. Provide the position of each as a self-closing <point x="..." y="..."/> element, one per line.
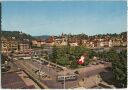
<point x="12" y="80"/>
<point x="50" y="40"/>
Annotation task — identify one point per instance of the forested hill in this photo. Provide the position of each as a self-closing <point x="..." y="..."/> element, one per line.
<point x="18" y="35"/>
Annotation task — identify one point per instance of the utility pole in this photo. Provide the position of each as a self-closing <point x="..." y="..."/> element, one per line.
<point x="40" y="71"/>
<point x="47" y="58"/>
<point x="64" y="78"/>
<point x="64" y="81"/>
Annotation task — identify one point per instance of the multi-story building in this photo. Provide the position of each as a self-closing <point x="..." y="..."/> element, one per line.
<point x="57" y="41"/>
<point x="34" y="42"/>
<point x="64" y="41"/>
<point x="14" y="46"/>
<point x="73" y="43"/>
<point x="9" y="45"/>
<point x="116" y="42"/>
<point x="4" y="45"/>
<point x="24" y="46"/>
<point x="84" y="41"/>
<point x="104" y="43"/>
<point x="124" y="43"/>
<point x="50" y="41"/>
<point x="38" y="43"/>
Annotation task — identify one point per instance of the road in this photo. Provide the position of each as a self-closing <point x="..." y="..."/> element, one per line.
<point x="28" y="69"/>
<point x="93" y="70"/>
<point x="84" y="72"/>
<point x="53" y="84"/>
<point x="44" y="68"/>
<point x="31" y="65"/>
<point x="52" y="72"/>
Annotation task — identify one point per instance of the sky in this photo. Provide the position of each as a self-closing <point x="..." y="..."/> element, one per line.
<point x="55" y="17"/>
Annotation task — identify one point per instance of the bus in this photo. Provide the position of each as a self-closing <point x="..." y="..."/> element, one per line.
<point x="67" y="78"/>
<point x="25" y="58"/>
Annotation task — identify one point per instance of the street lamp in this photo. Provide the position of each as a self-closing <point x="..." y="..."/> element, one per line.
<point x="40" y="71"/>
<point x="48" y="63"/>
<point x="64" y="76"/>
<point x="64" y="81"/>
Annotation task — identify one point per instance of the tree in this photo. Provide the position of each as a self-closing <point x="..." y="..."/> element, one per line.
<point x="119" y="68"/>
<point x="91" y="54"/>
<point x="73" y="64"/>
<point x="112" y="55"/>
<point x="62" y="61"/>
<point x="18" y="35"/>
<point x="67" y="55"/>
<point x="54" y="54"/>
<point x="86" y="62"/>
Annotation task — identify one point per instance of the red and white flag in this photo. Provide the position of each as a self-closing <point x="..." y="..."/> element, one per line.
<point x="81" y="60"/>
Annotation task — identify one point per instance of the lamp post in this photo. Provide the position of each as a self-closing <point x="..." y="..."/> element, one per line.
<point x="64" y="78"/>
<point x="64" y="81"/>
<point x="40" y="73"/>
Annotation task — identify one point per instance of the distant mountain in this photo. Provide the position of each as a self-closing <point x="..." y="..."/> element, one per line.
<point x="44" y="37"/>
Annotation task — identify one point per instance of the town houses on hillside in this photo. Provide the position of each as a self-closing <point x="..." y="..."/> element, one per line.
<point x="11" y="44"/>
<point x="75" y="41"/>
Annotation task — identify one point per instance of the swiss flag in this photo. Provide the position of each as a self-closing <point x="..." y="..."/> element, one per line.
<point x="81" y="60"/>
